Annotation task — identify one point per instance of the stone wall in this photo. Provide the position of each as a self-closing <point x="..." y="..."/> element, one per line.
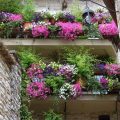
<point x="9" y="91"/>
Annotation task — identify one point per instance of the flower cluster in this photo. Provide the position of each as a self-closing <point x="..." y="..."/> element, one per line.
<point x="68" y="71"/>
<point x="53" y="75"/>
<point x="104" y="82"/>
<point x="69" y="30"/>
<point x="66" y="91"/>
<point x="69" y="17"/>
<point x="35" y="73"/>
<point x="77" y="90"/>
<point x="38" y="90"/>
<point x="40" y="31"/>
<point x="109" y="29"/>
<point x="112" y="69"/>
<point x="101" y="17"/>
<point x="5" y="17"/>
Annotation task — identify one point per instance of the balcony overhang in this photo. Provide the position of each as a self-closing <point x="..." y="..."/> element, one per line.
<point x="98" y="47"/>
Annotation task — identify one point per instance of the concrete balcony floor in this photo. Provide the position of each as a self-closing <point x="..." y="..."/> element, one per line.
<point x="98" y="47"/>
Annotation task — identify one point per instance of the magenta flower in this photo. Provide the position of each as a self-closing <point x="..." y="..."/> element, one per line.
<point x="38" y="90"/>
<point x="69" y="30"/>
<point x="109" y="29"/>
<point x="35" y="72"/>
<point x="112" y="69"/>
<point x="77" y="90"/>
<point x="15" y="17"/>
<point x="104" y="83"/>
<point x="40" y="31"/>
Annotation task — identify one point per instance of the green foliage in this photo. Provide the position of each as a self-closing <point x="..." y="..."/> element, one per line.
<point x="93" y="31"/>
<point x="8" y="28"/>
<point x="93" y="84"/>
<point x="28" y="10"/>
<point x="51" y="115"/>
<point x="113" y="84"/>
<point x="24" y="83"/>
<point x="106" y="59"/>
<point x="55" y="82"/>
<point x="24" y="113"/>
<point x="53" y="28"/>
<point x="11" y="5"/>
<point x="27" y="57"/>
<point x="83" y="60"/>
<point x="76" y="11"/>
<point x="47" y="15"/>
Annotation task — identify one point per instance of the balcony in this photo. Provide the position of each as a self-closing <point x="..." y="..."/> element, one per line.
<point x="83" y="104"/>
<point x="98" y="47"/>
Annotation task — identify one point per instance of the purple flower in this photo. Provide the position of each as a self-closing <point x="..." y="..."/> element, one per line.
<point x="4" y="16"/>
<point x="15" y="17"/>
<point x="68" y="71"/>
<point x="104" y="83"/>
<point x="112" y="69"/>
<point x="49" y="71"/>
<point x="35" y="72"/>
<point x="38" y="90"/>
<point x="69" y="17"/>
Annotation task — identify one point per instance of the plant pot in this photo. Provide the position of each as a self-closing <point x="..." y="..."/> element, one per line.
<point x="52" y="21"/>
<point x="46" y="20"/>
<point x="114" y="91"/>
<point x="27" y="26"/>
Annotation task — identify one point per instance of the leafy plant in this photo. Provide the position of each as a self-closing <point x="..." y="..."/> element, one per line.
<point x="83" y="60"/>
<point x="11" y="6"/>
<point x="28" y="10"/>
<point x="93" y="31"/>
<point x="24" y="113"/>
<point x="9" y="29"/>
<point x="51" y="115"/>
<point x="76" y="11"/>
<point x="27" y="57"/>
<point x="54" y="82"/>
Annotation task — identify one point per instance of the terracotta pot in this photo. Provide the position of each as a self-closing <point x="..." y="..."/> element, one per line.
<point x="52" y="21"/>
<point x="27" y="25"/>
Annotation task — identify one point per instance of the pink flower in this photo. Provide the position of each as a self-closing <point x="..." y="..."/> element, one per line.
<point x="15" y="17"/>
<point x="109" y="29"/>
<point x="77" y="90"/>
<point x="35" y="72"/>
<point x="40" y="31"/>
<point x="69" y="30"/>
<point x="112" y="69"/>
<point x="38" y="90"/>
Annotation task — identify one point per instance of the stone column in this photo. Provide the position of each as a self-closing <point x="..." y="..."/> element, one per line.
<point x="9" y="91"/>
